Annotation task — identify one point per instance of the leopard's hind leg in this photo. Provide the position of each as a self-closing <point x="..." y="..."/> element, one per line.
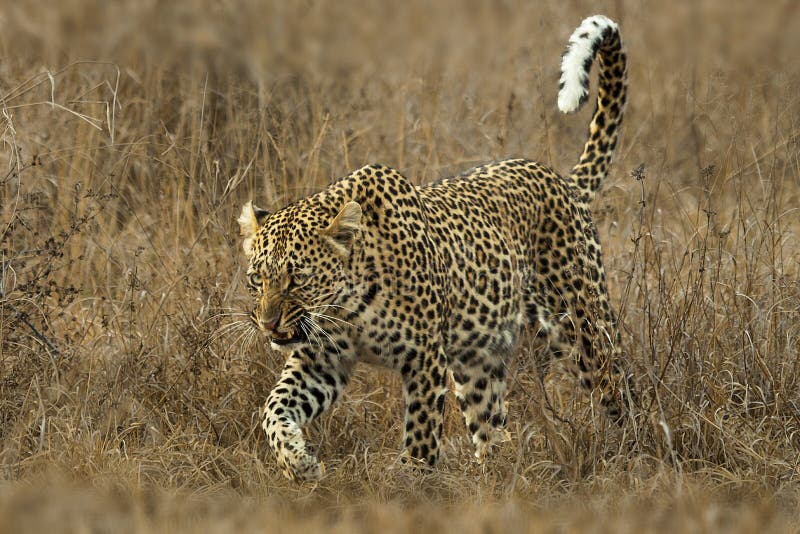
<point x="583" y="337"/>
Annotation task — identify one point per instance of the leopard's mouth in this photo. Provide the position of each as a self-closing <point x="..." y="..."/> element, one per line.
<point x="288" y="335"/>
<point x="286" y="339"/>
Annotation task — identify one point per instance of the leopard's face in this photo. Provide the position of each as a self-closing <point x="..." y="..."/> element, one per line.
<point x="297" y="268"/>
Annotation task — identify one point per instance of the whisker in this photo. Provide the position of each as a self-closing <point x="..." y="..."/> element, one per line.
<point x="226" y="329"/>
<point x="251" y="339"/>
<point x="313" y="332"/>
<point x="326" y="306"/>
<point x="331" y="318"/>
<point x="310" y="333"/>
<point x="331" y="305"/>
<point x="313" y="323"/>
<point x="224" y="314"/>
<point x="244" y="334"/>
<point x="232" y="324"/>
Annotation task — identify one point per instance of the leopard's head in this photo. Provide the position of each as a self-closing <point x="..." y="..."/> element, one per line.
<point x="298" y="266"/>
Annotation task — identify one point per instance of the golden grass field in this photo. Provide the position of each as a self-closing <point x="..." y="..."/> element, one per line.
<point x="132" y="133"/>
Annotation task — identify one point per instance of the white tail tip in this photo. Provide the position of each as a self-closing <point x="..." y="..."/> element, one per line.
<point x="577" y="61"/>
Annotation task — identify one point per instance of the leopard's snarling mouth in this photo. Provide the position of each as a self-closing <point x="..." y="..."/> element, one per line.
<point x="297" y="337"/>
<point x="291" y="334"/>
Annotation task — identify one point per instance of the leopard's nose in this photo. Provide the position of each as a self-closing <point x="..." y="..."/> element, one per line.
<point x="271" y="323"/>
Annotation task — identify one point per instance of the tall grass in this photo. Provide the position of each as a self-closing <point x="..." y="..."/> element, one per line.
<point x="132" y="132"/>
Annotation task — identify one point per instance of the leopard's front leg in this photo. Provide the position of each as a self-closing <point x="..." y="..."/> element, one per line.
<point x="309" y="384"/>
<point x="424" y="389"/>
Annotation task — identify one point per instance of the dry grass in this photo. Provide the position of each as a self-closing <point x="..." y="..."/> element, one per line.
<point x="132" y="132"/>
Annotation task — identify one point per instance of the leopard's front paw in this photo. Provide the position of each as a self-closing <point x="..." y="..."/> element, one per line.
<point x="302" y="468"/>
<point x="412" y="457"/>
<point x="496" y="437"/>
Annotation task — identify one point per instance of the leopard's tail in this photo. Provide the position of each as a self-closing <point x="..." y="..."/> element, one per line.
<point x="596" y="38"/>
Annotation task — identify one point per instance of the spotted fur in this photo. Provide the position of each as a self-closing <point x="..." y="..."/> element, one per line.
<point x="441" y="279"/>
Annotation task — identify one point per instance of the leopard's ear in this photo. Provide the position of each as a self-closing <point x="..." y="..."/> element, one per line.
<point x="342" y="231"/>
<point x="251" y="218"/>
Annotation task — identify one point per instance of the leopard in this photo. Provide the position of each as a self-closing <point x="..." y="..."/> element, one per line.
<point x="440" y="281"/>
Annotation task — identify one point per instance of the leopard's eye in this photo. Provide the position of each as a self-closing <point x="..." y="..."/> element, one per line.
<point x="255" y="280"/>
<point x="297" y="279"/>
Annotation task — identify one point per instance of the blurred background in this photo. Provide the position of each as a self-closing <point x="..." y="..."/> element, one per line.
<point x="134" y="130"/>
